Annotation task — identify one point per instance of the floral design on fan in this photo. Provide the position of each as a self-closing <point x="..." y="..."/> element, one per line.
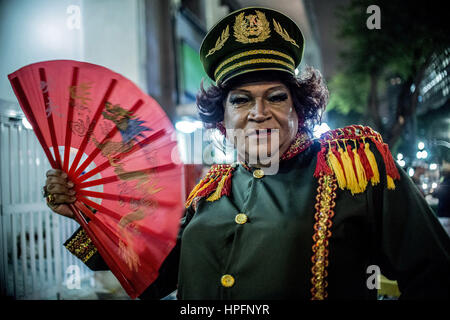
<point x="136" y="184"/>
<point x="145" y="180"/>
<point x="128" y="127"/>
<point x="80" y="96"/>
<point x="80" y="126"/>
<point x="50" y="106"/>
<point x="79" y="100"/>
<point x="145" y="186"/>
<point x="128" y="227"/>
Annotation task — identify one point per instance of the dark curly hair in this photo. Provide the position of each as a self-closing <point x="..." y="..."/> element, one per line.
<point x="309" y="95"/>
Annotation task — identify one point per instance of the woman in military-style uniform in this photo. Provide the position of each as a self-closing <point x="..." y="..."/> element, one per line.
<point x="312" y="218"/>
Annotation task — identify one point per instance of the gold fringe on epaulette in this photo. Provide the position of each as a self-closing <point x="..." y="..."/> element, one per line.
<point x="360" y="172"/>
<point x="350" y="159"/>
<point x="352" y="181"/>
<point x="373" y="164"/>
<point x="216" y="183"/>
<point x="220" y="187"/>
<point x="337" y="169"/>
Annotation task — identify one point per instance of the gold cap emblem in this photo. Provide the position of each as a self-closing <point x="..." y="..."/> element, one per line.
<point x="251" y="28"/>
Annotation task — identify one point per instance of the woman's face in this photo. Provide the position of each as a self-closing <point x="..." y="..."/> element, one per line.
<point x="259" y="113"/>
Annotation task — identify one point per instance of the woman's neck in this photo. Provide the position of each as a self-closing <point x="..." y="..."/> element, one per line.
<point x="299" y="143"/>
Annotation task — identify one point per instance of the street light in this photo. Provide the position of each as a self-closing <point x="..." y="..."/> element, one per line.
<point x="401" y="163"/>
<point x="400" y="160"/>
<point x="186" y="126"/>
<point x="422" y="154"/>
<point x="410" y="172"/>
<point x="421" y="145"/>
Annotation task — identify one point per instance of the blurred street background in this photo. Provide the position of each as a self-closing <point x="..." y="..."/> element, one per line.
<point x="386" y="64"/>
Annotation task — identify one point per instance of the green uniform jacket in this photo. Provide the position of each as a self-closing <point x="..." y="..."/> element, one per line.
<point x="269" y="255"/>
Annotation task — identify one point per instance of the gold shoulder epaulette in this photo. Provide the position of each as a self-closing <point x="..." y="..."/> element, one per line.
<point x="214" y="185"/>
<point x="346" y="154"/>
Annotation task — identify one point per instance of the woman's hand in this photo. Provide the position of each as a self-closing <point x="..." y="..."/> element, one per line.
<point x="60" y="191"/>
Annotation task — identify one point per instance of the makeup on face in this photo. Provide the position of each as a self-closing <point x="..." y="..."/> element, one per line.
<point x="261" y="110"/>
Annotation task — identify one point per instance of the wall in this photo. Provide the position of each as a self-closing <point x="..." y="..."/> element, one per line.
<point x="105" y="32"/>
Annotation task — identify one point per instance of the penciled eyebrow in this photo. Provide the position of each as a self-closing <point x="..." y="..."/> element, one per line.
<point x="236" y="91"/>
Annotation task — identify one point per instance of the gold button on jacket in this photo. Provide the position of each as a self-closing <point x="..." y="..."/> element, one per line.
<point x="258" y="173"/>
<point x="227" y="280"/>
<point x="241" y="218"/>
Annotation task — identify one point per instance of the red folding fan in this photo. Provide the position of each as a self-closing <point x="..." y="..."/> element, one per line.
<point x="119" y="148"/>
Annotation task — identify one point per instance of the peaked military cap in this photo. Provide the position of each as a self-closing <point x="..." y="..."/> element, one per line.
<point x="251" y="39"/>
